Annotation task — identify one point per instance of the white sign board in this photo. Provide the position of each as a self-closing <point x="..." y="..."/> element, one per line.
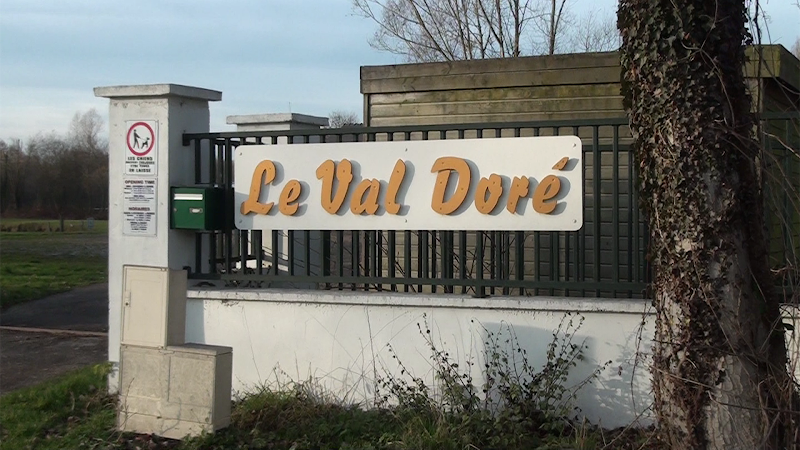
<point x="469" y="184"/>
<point x="141" y="147"/>
<point x="139" y="207"/>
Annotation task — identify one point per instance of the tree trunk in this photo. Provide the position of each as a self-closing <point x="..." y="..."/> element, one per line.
<point x="719" y="369"/>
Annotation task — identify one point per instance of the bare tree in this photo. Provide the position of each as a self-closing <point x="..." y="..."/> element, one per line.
<point x="85" y="131"/>
<point x="449" y="30"/>
<point x="594" y="32"/>
<point x="720" y="376"/>
<point x="796" y="48"/>
<point x="340" y="118"/>
<point x="5" y="176"/>
<point x="55" y="175"/>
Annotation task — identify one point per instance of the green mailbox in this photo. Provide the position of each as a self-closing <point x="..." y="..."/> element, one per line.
<point x="197" y="208"/>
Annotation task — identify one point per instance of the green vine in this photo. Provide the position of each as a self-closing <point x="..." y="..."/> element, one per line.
<point x="684" y="89"/>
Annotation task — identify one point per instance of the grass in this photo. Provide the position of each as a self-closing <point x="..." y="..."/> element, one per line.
<point x="74" y="412"/>
<point x="36" y="264"/>
<point x="52" y="225"/>
<point x="70" y="412"/>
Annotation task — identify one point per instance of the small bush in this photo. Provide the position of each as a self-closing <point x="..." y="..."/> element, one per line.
<point x="517" y="406"/>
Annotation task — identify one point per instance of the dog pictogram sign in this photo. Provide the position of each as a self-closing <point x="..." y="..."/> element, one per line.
<point x="141" y="140"/>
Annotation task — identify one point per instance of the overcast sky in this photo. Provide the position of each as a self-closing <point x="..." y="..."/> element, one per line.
<point x="264" y="55"/>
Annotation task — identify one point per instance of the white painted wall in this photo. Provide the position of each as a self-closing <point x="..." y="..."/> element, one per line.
<point x="340" y="339"/>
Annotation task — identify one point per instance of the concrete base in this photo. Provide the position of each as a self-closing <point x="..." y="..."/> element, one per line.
<point x="175" y="391"/>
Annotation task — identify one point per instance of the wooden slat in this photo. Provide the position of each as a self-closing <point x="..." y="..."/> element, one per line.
<point x="596" y="104"/>
<point x="492" y="80"/>
<point x="474" y="118"/>
<point x="528" y="63"/>
<point x="514" y="93"/>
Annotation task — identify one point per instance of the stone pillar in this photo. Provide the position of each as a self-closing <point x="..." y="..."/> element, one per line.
<point x="287" y="122"/>
<point x="277" y="122"/>
<point x="146" y="157"/>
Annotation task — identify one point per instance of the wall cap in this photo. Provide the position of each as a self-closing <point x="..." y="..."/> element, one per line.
<point x="156" y="91"/>
<point x="276" y="118"/>
<point x="540" y="303"/>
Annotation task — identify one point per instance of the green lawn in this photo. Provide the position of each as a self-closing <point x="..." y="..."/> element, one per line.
<point x="70" y="412"/>
<point x="37" y="264"/>
<point x="53" y="225"/>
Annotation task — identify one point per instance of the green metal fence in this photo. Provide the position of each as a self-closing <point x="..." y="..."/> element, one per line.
<point x="605" y="258"/>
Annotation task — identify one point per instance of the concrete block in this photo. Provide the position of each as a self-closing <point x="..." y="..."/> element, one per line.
<point x="175" y="391"/>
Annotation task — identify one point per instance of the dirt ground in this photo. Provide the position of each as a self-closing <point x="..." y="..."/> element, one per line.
<point x="28" y="358"/>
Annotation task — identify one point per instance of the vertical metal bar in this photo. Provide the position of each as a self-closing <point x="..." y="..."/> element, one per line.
<point x="422" y="256"/>
<point x="433" y="259"/>
<point x="244" y="250"/>
<point x="537" y="259"/>
<point x="326" y="252"/>
<point x="505" y="238"/>
<point x="406" y="258"/>
<point x="212" y="236"/>
<point x="787" y="188"/>
<point x="480" y="289"/>
<point x="537" y="243"/>
<point x="379" y="257"/>
<point x="307" y="239"/>
<point x="422" y="243"/>
<point x="228" y="183"/>
<point x="275" y="251"/>
<point x="212" y="251"/>
<point x="392" y="236"/>
<point x="462" y="258"/>
<point x="354" y="255"/>
<point x="340" y="256"/>
<point x="198" y="161"/>
<point x="498" y="241"/>
<point x="212" y="163"/>
<point x="367" y="257"/>
<point x="598" y="163"/>
<point x="555" y="244"/>
<point x="290" y="252"/>
<point x="445" y="253"/>
<point x="519" y="243"/>
<point x="451" y="254"/>
<point x="496" y="252"/>
<point x="579" y="252"/>
<point x="519" y="257"/>
<point x="447" y="260"/>
<point x="462" y="246"/>
<point x="258" y="245"/>
<point x="553" y="258"/>
<point x="567" y="245"/>
<point x="615" y="207"/>
<point x="198" y="253"/>
<point x="632" y="224"/>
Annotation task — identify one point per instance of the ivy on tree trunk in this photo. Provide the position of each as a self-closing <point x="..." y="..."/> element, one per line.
<point x="719" y="370"/>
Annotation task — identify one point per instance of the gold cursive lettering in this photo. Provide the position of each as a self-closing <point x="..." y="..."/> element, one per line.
<point x="446" y="166"/>
<point x="343" y="174"/>
<point x="264" y="170"/>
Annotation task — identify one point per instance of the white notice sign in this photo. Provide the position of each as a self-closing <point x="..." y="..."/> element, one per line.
<point x="139" y="207"/>
<point x="141" y="152"/>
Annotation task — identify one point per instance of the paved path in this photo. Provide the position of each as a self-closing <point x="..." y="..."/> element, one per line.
<point x="84" y="309"/>
<point x="30" y="357"/>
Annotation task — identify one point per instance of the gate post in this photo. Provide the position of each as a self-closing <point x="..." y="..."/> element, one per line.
<point x="146" y="156"/>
